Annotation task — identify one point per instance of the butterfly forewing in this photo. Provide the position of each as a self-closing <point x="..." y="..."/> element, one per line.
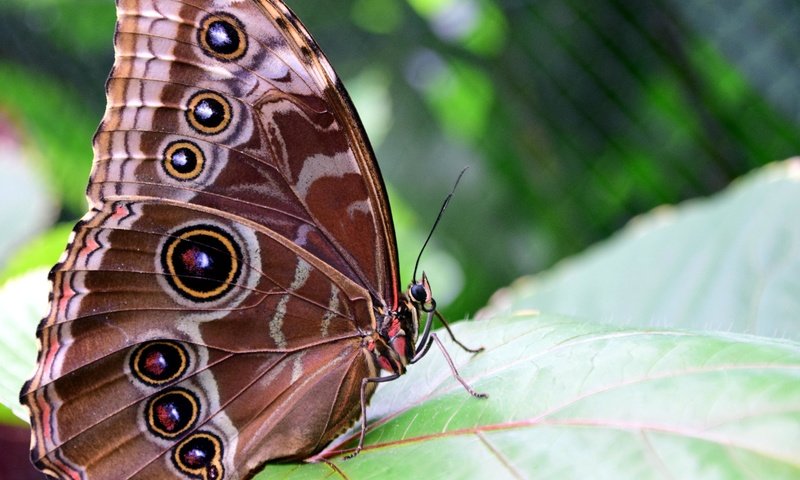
<point x="211" y="309"/>
<point x="302" y="164"/>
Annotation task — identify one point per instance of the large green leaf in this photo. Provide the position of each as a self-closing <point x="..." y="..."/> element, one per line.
<point x="576" y="400"/>
<point x="731" y="263"/>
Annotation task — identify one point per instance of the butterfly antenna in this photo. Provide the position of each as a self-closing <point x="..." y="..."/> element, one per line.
<point x="436" y="223"/>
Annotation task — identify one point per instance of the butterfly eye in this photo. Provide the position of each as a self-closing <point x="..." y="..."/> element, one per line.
<point x="419" y="293"/>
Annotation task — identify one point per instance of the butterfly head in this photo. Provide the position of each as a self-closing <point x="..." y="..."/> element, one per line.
<point x="419" y="292"/>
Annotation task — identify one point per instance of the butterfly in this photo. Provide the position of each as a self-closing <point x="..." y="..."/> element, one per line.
<point x="232" y="297"/>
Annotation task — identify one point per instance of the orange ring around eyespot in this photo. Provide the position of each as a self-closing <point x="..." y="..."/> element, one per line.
<point x="214" y="462"/>
<point x="151" y="421"/>
<point x="238" y="29"/>
<point x="172" y="149"/>
<point x="196" y="124"/>
<point x="141" y="376"/>
<point x="225" y="285"/>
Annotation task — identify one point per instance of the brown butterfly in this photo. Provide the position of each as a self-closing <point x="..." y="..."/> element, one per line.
<point x="233" y="295"/>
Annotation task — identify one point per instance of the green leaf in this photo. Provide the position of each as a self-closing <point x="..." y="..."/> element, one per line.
<point x="8" y="417"/>
<point x="731" y="263"/>
<point x="576" y="400"/>
<point x="63" y="148"/>
<point x="24" y="301"/>
<point x="26" y="206"/>
<point x="41" y="252"/>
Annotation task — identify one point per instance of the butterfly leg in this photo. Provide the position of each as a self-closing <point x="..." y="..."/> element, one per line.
<point x="426" y="340"/>
<point x="364" y="383"/>
<point x="453" y="368"/>
<point x="453" y="337"/>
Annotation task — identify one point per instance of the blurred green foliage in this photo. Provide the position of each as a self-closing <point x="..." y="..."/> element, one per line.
<point x="574" y="116"/>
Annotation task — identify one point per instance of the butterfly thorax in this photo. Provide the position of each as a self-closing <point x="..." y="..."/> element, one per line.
<point x="396" y="340"/>
<point x="393" y="345"/>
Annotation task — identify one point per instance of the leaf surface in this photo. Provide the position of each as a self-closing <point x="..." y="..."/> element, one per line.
<point x="576" y="400"/>
<point x="729" y="263"/>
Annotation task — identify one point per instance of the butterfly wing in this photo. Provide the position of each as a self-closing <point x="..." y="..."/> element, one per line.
<point x="303" y="165"/>
<point x="210" y="310"/>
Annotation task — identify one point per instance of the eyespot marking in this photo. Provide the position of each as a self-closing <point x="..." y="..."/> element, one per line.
<point x="209" y="113"/>
<point x="222" y="36"/>
<point x="183" y="160"/>
<point x="199" y="456"/>
<point x="172" y="413"/>
<point x="159" y="362"/>
<point x="202" y="262"/>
